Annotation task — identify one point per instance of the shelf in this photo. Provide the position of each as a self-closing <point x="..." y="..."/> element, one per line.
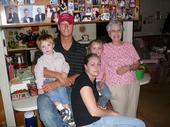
<point x="35" y="24"/>
<point x="20" y="49"/>
<point x="17" y="25"/>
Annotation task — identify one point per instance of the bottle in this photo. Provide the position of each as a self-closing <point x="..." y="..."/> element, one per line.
<point x="11" y="71"/>
<point x="30" y="119"/>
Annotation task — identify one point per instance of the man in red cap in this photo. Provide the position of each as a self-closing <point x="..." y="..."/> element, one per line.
<point x="74" y="54"/>
<point x="66" y="17"/>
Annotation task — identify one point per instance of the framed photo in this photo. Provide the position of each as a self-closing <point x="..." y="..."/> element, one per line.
<point x="104" y="8"/>
<point x="63" y="5"/>
<point x="12" y="14"/>
<point x="104" y="1"/>
<point x="70" y="6"/>
<point x="96" y="2"/>
<point x="88" y="1"/>
<point x="77" y="17"/>
<point x="54" y="1"/>
<point x="88" y="10"/>
<point x="95" y="13"/>
<point x="82" y="2"/>
<point x="25" y="14"/>
<point x="39" y="13"/>
<point x="5" y="2"/>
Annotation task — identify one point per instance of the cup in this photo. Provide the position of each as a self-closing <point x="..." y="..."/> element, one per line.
<point x="32" y="87"/>
<point x="139" y="74"/>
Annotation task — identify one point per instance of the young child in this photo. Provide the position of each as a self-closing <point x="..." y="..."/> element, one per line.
<point x="96" y="46"/>
<point x="53" y="61"/>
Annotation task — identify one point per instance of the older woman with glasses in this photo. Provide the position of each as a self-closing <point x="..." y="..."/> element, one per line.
<point x="119" y="61"/>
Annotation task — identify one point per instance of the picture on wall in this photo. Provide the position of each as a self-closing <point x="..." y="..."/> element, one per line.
<point x="25" y="14"/>
<point x="5" y="2"/>
<point x="12" y="14"/>
<point x="39" y="13"/>
<point x="88" y="10"/>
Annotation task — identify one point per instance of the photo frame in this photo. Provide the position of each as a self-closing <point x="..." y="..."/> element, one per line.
<point x="12" y="14"/>
<point x="25" y="14"/>
<point x="39" y="13"/>
<point x="121" y="9"/>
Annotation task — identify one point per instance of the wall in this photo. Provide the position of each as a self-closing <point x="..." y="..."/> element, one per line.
<point x="151" y="23"/>
<point x="84" y="29"/>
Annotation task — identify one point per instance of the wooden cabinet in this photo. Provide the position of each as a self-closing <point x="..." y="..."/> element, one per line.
<point x="2" y="113"/>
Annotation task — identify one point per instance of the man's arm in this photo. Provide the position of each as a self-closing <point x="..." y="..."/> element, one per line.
<point x="47" y="73"/>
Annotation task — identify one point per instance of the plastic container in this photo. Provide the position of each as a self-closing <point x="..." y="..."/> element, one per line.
<point x="30" y="119"/>
<point x="139" y="74"/>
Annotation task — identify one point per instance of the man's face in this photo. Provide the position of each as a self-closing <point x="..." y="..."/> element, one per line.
<point x="66" y="28"/>
<point x="39" y="10"/>
<point x="26" y="13"/>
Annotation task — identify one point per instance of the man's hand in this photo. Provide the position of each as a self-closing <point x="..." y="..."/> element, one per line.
<point x="62" y="77"/>
<point x="51" y="86"/>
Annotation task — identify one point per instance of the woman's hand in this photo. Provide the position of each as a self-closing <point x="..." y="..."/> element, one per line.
<point x="122" y="70"/>
<point x="115" y="113"/>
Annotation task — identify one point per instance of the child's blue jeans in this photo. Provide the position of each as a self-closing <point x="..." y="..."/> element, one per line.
<point x="59" y="94"/>
<point x="105" y="94"/>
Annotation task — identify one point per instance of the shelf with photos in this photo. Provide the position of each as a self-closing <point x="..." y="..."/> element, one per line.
<point x="84" y="11"/>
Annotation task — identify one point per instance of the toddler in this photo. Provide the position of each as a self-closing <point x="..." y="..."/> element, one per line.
<point x="96" y="46"/>
<point x="53" y="61"/>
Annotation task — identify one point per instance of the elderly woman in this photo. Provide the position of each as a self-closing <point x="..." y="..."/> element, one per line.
<point x="84" y="98"/>
<point x="119" y="61"/>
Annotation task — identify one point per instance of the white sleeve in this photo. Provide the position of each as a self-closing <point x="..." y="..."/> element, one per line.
<point x="65" y="66"/>
<point x="39" y="75"/>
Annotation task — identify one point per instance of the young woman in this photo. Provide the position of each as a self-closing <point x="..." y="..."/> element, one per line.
<point x="84" y="99"/>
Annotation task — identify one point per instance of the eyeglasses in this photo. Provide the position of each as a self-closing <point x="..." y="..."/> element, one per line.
<point x="115" y="31"/>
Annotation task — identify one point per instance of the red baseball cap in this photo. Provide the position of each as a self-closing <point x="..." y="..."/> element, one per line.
<point x="66" y="17"/>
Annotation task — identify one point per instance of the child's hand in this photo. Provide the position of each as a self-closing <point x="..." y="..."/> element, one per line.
<point x="40" y="91"/>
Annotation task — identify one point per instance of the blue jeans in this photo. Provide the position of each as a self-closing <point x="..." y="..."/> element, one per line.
<point x="105" y="95"/>
<point x="49" y="114"/>
<point x="117" y="121"/>
<point x="59" y="94"/>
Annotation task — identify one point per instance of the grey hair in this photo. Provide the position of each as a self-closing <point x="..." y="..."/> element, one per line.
<point x="114" y="22"/>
